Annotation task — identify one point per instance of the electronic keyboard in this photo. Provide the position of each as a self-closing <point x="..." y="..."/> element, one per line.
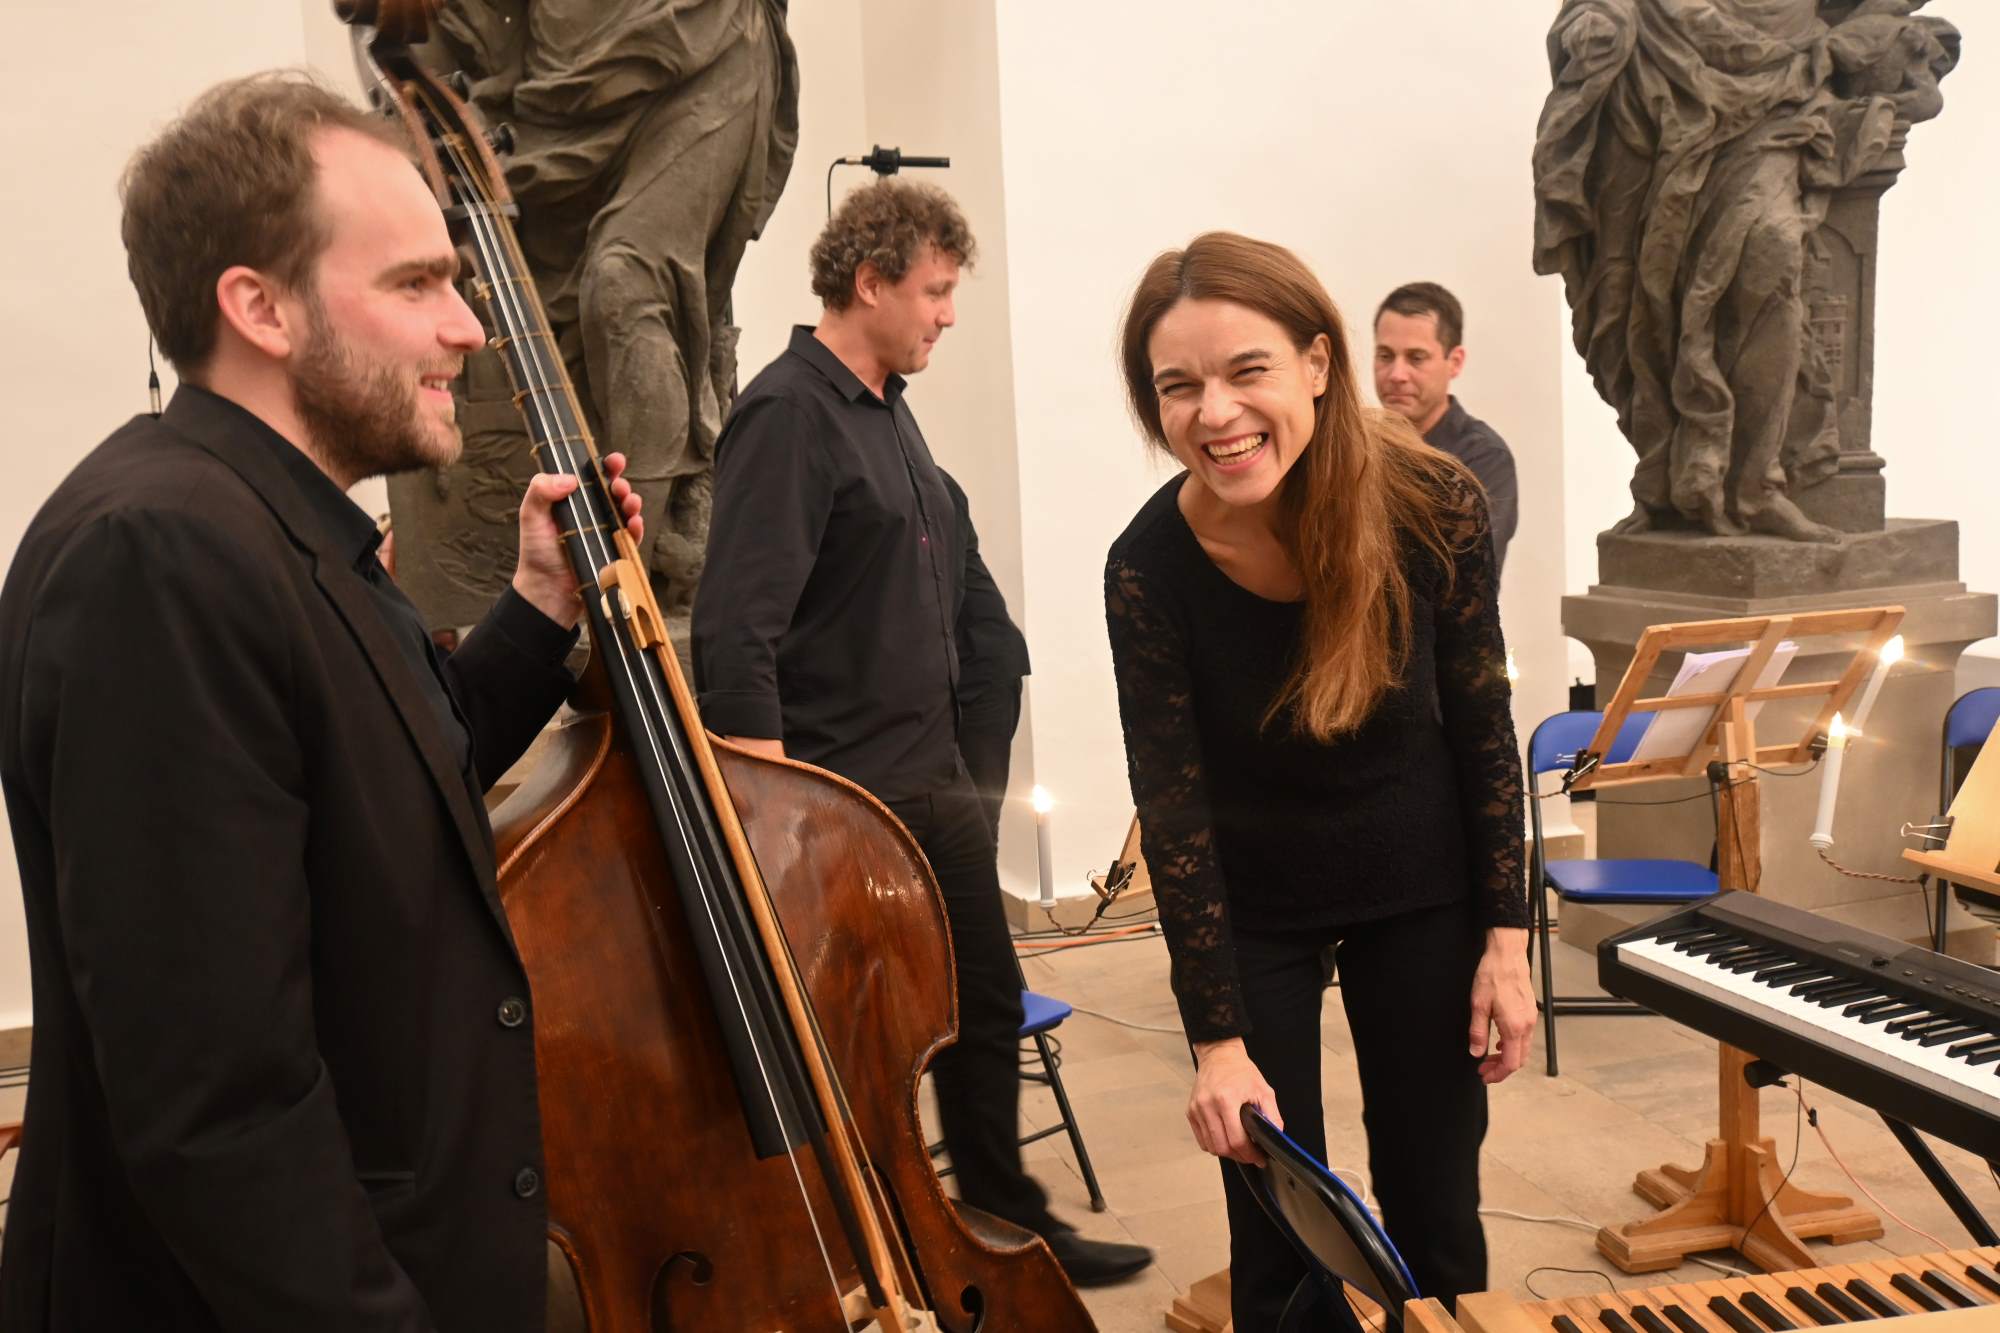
<point x="1912" y="1034"/>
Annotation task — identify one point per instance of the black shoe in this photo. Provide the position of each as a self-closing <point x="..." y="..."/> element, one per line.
<point x="1095" y="1263"/>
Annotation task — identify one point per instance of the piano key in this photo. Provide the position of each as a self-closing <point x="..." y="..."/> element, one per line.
<point x="1683" y="1321"/>
<point x="1917" y="1293"/>
<point x="1974" y="1045"/>
<point x="1812" y="1306"/>
<point x="1893" y="1011"/>
<point x="1923" y="1018"/>
<point x="1725" y="1310"/>
<point x="1984" y="1276"/>
<point x="1777" y="975"/>
<point x="1984" y="1056"/>
<point x="1869" y="1007"/>
<point x="1939" y="1036"/>
<point x="1760" y="959"/>
<point x="1843" y="1303"/>
<point x="1564" y="1324"/>
<point x="1615" y="1322"/>
<point x="1812" y="990"/>
<point x="1686" y="932"/>
<point x="1864" y="1291"/>
<point x="1773" y="1318"/>
<point x="1706" y="933"/>
<point x="1948" y="1287"/>
<point x="1847" y="995"/>
<point x="1718" y="944"/>
<point x="1649" y="1321"/>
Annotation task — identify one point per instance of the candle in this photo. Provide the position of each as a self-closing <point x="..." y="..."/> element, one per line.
<point x="1044" y="854"/>
<point x="1829" y="784"/>
<point x="1892" y="653"/>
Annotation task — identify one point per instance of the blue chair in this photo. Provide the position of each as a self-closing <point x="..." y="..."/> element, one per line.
<point x="1967" y="723"/>
<point x="1041" y="1015"/>
<point x="1553" y="749"/>
<point x="1332" y="1230"/>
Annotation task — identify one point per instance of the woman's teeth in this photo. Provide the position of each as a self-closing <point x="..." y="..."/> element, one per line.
<point x="1235" y="449"/>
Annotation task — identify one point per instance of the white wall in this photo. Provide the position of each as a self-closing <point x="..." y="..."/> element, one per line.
<point x="1384" y="144"/>
<point x="85" y="95"/>
<point x="1937" y="302"/>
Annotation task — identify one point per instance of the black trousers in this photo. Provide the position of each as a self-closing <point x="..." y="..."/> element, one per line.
<point x="978" y="1077"/>
<point x="986" y="725"/>
<point x="1406" y="983"/>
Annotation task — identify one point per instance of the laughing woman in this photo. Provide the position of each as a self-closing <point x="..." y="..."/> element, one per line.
<point x="1314" y="695"/>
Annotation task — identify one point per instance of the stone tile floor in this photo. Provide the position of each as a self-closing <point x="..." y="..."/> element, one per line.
<point x="1634" y="1092"/>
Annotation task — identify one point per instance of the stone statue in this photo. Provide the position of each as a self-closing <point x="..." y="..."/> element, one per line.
<point x="1684" y="165"/>
<point x="651" y="141"/>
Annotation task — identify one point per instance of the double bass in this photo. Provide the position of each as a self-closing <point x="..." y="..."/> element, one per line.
<point x="739" y="966"/>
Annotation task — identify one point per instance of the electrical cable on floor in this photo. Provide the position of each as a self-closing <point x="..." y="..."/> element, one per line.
<point x="1126" y="1022"/>
<point x="1529" y="1280"/>
<point x="1124" y="935"/>
<point x="1593" y="1229"/>
<point x="1835" y="1154"/>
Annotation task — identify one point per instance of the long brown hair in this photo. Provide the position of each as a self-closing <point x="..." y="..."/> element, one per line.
<point x="1365" y="482"/>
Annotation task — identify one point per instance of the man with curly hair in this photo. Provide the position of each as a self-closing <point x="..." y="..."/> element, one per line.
<point x="824" y="631"/>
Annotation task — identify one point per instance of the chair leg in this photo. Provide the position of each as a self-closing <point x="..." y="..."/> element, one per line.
<point x="1548" y="978"/>
<point x="1069" y="1122"/>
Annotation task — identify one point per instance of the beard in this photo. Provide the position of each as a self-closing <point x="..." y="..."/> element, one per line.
<point x="366" y="418"/>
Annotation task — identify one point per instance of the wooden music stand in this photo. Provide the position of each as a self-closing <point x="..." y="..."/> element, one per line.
<point x="1737" y="1198"/>
<point x="1971" y="851"/>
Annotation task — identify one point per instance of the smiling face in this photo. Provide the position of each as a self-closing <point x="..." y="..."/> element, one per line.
<point x="385" y="330"/>
<point x="1413" y="371"/>
<point x="1236" y="398"/>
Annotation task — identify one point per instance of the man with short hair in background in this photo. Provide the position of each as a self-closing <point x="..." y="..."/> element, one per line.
<point x="1419" y="351"/>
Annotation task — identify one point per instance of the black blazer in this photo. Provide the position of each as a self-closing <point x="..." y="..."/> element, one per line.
<point x="283" y="1074"/>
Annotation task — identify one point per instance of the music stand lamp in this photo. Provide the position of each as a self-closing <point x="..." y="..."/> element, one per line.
<point x="1737" y="1198"/>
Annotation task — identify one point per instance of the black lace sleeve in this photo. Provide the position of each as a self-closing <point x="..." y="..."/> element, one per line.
<point x="1477" y="706"/>
<point x="1163" y="757"/>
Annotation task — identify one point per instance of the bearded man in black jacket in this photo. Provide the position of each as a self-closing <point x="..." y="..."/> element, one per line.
<point x="283" y="1071"/>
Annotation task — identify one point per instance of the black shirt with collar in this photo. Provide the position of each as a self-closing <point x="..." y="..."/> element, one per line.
<point x="825" y="612"/>
<point x="1478" y="446"/>
<point x="350" y="528"/>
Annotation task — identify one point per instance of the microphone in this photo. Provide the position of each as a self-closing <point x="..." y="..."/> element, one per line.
<point x="888" y="161"/>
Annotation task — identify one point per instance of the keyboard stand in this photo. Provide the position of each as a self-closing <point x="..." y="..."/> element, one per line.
<point x="1737" y="1198"/>
<point x="1941" y="1180"/>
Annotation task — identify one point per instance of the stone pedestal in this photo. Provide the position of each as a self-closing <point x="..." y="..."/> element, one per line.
<point x="1891" y="773"/>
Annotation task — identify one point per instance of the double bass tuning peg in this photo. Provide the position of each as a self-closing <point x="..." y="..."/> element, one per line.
<point x="459" y="82"/>
<point x="501" y="139"/>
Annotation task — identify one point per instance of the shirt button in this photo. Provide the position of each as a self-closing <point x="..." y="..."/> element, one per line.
<point x="527" y="1182"/>
<point x="513" y="1012"/>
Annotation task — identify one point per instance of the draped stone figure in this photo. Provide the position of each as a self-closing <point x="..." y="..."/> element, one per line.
<point x="1684" y="164"/>
<point x="651" y="140"/>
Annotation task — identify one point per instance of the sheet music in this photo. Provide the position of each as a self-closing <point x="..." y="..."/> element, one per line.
<point x="1677" y="731"/>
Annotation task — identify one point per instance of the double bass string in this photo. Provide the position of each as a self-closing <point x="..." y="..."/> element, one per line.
<point x="541" y="385"/>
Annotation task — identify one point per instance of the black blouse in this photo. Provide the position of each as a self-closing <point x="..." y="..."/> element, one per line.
<point x="1254" y="826"/>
